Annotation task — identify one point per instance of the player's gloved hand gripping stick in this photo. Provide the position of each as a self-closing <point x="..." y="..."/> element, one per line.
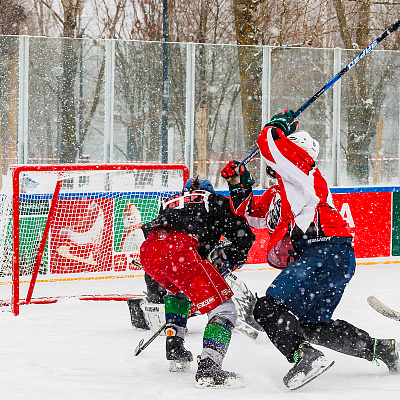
<point x="237" y="176"/>
<point x="351" y="64"/>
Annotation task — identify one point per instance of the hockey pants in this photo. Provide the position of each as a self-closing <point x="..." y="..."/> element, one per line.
<point x="171" y="258"/>
<point x="286" y="332"/>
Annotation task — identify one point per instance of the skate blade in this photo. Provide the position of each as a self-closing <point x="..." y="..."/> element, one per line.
<point x="230" y="383"/>
<point x="179" y="366"/>
<point x="319" y="367"/>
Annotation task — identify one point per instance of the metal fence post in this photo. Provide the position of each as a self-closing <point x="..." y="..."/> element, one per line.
<point x="190" y="94"/>
<point x="336" y="119"/>
<point x="109" y="101"/>
<point x="23" y="97"/>
<point x="266" y="102"/>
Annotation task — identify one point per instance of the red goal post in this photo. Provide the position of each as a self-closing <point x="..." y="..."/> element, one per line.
<point x="76" y="224"/>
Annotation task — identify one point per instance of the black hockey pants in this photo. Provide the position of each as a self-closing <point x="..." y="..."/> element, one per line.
<point x="286" y="332"/>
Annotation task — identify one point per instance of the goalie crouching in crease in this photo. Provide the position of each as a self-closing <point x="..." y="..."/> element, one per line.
<point x="310" y="241"/>
<point x="178" y="241"/>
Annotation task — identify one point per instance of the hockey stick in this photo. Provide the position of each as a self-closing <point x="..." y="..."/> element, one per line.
<point x="240" y="326"/>
<point x="142" y="345"/>
<point x="244" y="301"/>
<point x="350" y="65"/>
<point x="383" y="309"/>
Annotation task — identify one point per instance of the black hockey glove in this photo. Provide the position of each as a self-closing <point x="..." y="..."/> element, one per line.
<point x="284" y="121"/>
<point x="219" y="256"/>
<point x="236" y="181"/>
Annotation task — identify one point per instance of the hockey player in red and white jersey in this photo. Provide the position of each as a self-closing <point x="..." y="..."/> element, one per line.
<point x="311" y="242"/>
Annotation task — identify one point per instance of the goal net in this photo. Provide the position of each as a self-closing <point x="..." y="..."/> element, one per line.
<point x="73" y="230"/>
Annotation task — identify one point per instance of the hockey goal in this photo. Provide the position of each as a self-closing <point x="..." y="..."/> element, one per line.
<point x="72" y="230"/>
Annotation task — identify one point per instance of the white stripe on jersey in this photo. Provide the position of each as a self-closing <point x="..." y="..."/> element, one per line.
<point x="299" y="187"/>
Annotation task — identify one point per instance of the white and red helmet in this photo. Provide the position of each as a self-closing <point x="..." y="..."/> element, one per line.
<point x="304" y="140"/>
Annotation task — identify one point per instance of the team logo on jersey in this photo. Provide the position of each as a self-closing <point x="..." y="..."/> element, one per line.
<point x="274" y="213"/>
<point x="225" y="292"/>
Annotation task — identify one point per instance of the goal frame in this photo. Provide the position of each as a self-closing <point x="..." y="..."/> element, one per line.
<point x="16" y="171"/>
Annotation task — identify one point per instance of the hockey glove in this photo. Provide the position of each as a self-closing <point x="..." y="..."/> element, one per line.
<point x="237" y="176"/>
<point x="219" y="256"/>
<point x="223" y="264"/>
<point x="284" y="121"/>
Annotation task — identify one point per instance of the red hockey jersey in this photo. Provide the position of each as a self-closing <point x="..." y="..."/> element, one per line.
<point x="301" y="206"/>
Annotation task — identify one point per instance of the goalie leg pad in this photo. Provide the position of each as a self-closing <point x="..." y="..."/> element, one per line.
<point x="154" y="315"/>
<point x="138" y="319"/>
<point x="244" y="300"/>
<point x="155" y="292"/>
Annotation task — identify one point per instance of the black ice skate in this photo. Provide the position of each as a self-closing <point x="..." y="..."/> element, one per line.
<point x="177" y="355"/>
<point x="309" y="363"/>
<point x="211" y="375"/>
<point x="385" y="350"/>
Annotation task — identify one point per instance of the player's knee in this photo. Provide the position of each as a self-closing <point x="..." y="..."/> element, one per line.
<point x="226" y="310"/>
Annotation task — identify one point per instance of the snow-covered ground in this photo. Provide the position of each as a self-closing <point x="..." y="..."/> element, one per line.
<point x="84" y="350"/>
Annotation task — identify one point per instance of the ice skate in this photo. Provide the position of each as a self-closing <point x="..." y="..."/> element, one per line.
<point x="179" y="358"/>
<point x="211" y="375"/>
<point x="386" y="351"/>
<point x="309" y="363"/>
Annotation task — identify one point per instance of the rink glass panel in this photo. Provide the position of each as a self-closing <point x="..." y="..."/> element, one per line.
<point x="130" y="115"/>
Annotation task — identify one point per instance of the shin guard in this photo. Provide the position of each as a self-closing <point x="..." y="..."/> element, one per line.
<point x="281" y="326"/>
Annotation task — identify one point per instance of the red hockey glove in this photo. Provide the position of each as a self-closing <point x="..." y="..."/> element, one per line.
<point x="230" y="169"/>
<point x="243" y="180"/>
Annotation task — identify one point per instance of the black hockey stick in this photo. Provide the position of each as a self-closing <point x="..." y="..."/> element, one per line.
<point x="352" y="63"/>
<point x="244" y="301"/>
<point x="383" y="309"/>
<point x="142" y="345"/>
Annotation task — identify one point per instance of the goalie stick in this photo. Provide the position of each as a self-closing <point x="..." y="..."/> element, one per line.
<point x="383" y="309"/>
<point x="351" y="64"/>
<point x="142" y="345"/>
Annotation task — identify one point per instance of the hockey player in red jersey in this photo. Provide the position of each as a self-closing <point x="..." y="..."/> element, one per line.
<point x="178" y="241"/>
<point x="311" y="243"/>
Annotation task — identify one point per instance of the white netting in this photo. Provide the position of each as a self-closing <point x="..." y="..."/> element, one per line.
<point x="95" y="232"/>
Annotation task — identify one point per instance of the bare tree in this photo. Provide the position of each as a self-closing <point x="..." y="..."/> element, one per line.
<point x="250" y="67"/>
<point x="67" y="17"/>
<point x="358" y="24"/>
<point x="12" y="15"/>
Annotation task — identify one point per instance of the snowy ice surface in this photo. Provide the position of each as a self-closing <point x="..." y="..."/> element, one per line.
<point x="84" y="350"/>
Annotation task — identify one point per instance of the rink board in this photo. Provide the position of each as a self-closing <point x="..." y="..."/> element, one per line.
<point x="373" y="217"/>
